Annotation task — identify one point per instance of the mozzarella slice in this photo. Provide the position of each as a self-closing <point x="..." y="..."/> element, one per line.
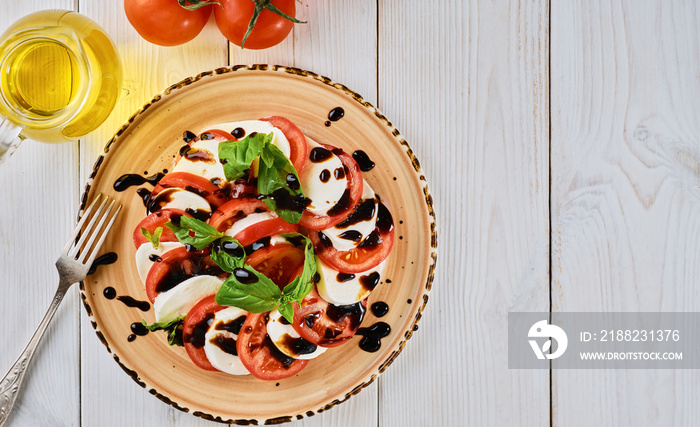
<point x="259" y="126"/>
<point x="345" y="237"/>
<point x="179" y="300"/>
<point x="220" y="341"/>
<point x="288" y="341"/>
<point x="249" y="220"/>
<point x="202" y="158"/>
<point x="321" y="183"/>
<point x="146" y="256"/>
<point x="177" y="198"/>
<point x="341" y="288"/>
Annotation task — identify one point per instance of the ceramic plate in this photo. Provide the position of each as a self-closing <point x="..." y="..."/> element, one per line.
<point x="147" y="144"/>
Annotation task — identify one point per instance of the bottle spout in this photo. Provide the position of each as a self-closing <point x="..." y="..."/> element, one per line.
<point x="10" y="138"/>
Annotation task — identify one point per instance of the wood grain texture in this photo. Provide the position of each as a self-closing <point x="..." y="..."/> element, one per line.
<point x="466" y="84"/>
<point x="39" y="197"/>
<point x="625" y="178"/>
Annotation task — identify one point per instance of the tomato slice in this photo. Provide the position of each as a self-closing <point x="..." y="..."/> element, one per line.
<point x="367" y="255"/>
<point x="176" y="266"/>
<point x="197" y="324"/>
<point x="155" y="220"/>
<point x="325" y="324"/>
<point x="215" y="195"/>
<point x="259" y="354"/>
<point x="298" y="148"/>
<point x="223" y="218"/>
<point x="352" y="195"/>
<point x="280" y="263"/>
<point x="266" y="228"/>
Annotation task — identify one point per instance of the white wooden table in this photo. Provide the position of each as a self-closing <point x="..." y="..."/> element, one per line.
<point x="561" y="143"/>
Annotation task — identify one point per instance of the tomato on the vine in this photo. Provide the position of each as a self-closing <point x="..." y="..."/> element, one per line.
<point x="165" y="22"/>
<point x="236" y="17"/>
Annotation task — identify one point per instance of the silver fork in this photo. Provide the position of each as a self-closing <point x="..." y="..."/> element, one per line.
<point x="73" y="265"/>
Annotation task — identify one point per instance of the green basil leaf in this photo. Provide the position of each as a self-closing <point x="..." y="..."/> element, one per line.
<point x="287" y="311"/>
<point x="258" y="297"/>
<point x="154" y="238"/>
<point x="172" y="327"/>
<point x="272" y="182"/>
<point x="237" y="156"/>
<point x="228" y="260"/>
<point x="192" y="231"/>
<point x="302" y="285"/>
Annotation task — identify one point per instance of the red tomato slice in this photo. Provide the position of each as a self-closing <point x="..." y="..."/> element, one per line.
<point x="352" y="195"/>
<point x="280" y="263"/>
<point x="298" y="149"/>
<point x="259" y="354"/>
<point x="155" y="220"/>
<point x="223" y="218"/>
<point x="197" y="324"/>
<point x="366" y="255"/>
<point x="176" y="266"/>
<point x="262" y="229"/>
<point x="326" y="324"/>
<point x="196" y="184"/>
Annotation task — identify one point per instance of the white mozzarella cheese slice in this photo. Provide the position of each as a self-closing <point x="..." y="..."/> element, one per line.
<point x="346" y="238"/>
<point x="146" y="256"/>
<point x="220" y="341"/>
<point x="177" y="198"/>
<point x="202" y="158"/>
<point x="259" y="126"/>
<point x="321" y="183"/>
<point x="288" y="341"/>
<point x="180" y="299"/>
<point x="249" y="220"/>
<point x="341" y="288"/>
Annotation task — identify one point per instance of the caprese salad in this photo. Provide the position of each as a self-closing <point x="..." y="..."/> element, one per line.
<point x="260" y="248"/>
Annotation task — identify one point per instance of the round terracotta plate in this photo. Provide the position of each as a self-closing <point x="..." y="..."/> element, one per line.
<point x="149" y="141"/>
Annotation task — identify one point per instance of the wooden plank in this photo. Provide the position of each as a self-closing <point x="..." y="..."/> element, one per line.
<point x="625" y="176"/>
<point x="39" y="194"/>
<point x="466" y="84"/>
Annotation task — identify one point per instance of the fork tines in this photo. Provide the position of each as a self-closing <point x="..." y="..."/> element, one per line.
<point x="91" y="231"/>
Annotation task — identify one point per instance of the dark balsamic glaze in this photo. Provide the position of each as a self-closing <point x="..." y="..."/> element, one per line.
<point x="188" y="136"/>
<point x="130" y="179"/>
<point x="197" y="336"/>
<point x="258" y="244"/>
<point x="238" y="133"/>
<point x="145" y="195"/>
<point x="197" y="155"/>
<point x="231" y="248"/>
<point x="352" y="235"/>
<point x="339" y="173"/>
<point x="372" y="337"/>
<point x="244" y="276"/>
<point x="344" y="277"/>
<point x="199" y="214"/>
<point x="233" y="326"/>
<point x="154" y="258"/>
<point x="319" y="154"/>
<point x="108" y="258"/>
<point x="131" y="302"/>
<point x="342" y="205"/>
<point x="131" y="337"/>
<point x="336" y="114"/>
<point x="226" y="344"/>
<point x="372" y="241"/>
<point x="139" y="329"/>
<point x="293" y="182"/>
<point x="109" y="292"/>
<point x="370" y="281"/>
<point x="325" y="241"/>
<point x="196" y="263"/>
<point x="310" y="320"/>
<point x="284" y="200"/>
<point x="284" y="321"/>
<point x="363" y="161"/>
<point x="325" y="175"/>
<point x="285" y="360"/>
<point x="364" y="211"/>
<point x="298" y="346"/>
<point x="327" y="123"/>
<point x="379" y="309"/>
<point x="384" y="220"/>
<point x="353" y="313"/>
<point x="205" y="136"/>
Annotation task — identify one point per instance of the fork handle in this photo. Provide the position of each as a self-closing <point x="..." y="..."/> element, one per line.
<point x="14" y="379"/>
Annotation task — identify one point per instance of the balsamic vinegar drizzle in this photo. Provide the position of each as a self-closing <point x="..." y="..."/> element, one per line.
<point x="109" y="292"/>
<point x="108" y="258"/>
<point x="379" y="309"/>
<point x="334" y="115"/>
<point x="363" y="161"/>
<point x="130" y="179"/>
<point x="372" y="337"/>
<point x="134" y="303"/>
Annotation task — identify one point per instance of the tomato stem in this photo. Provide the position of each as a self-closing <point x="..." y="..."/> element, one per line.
<point x="259" y="6"/>
<point x="196" y="4"/>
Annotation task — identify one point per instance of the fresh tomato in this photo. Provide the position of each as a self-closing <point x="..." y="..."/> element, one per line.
<point x="298" y="149"/>
<point x="259" y="354"/>
<point x="280" y="263"/>
<point x="196" y="184"/>
<point x="266" y="228"/>
<point x="197" y="323"/>
<point x="176" y="266"/>
<point x="155" y="220"/>
<point x="367" y="255"/>
<point x="353" y="192"/>
<point x="227" y="214"/>
<point x="234" y="16"/>
<point x="165" y="22"/>
<point x="325" y="324"/>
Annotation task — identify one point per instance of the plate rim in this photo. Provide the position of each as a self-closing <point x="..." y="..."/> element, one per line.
<point x="432" y="250"/>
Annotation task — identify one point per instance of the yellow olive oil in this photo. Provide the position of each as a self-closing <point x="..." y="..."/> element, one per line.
<point x="60" y="75"/>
